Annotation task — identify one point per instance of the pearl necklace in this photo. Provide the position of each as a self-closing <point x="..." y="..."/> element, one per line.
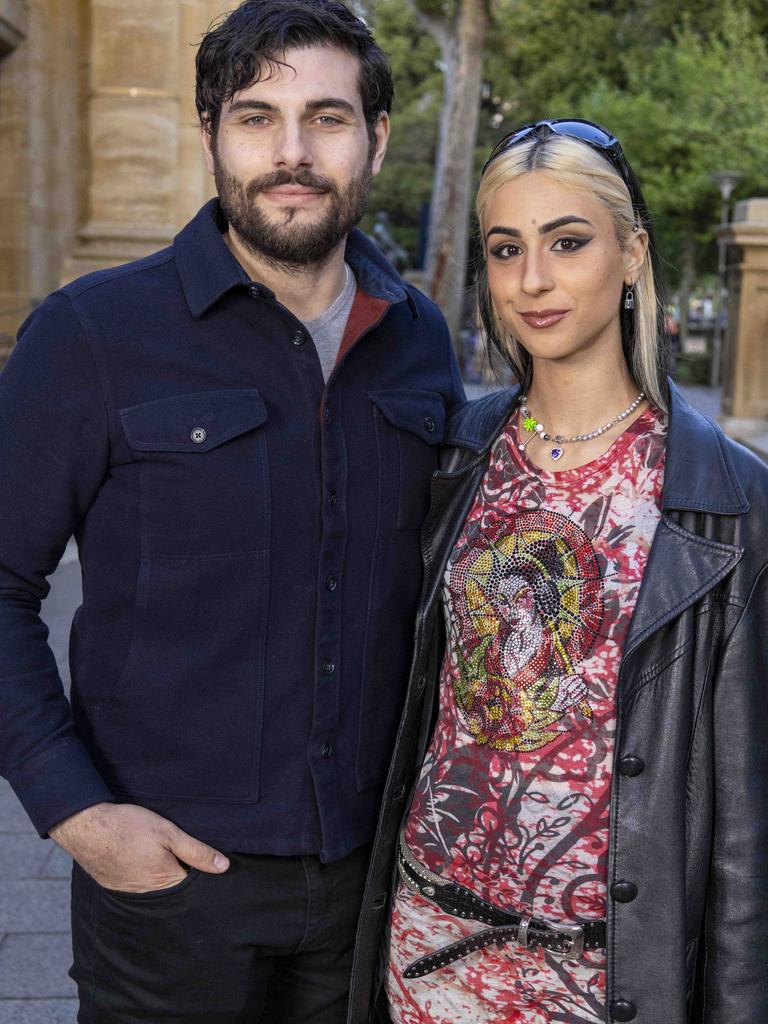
<point x="536" y="429"/>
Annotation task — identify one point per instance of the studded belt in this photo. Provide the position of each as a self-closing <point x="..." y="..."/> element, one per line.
<point x="563" y="941"/>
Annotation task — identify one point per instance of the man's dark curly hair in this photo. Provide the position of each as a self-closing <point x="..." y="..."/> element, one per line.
<point x="248" y="45"/>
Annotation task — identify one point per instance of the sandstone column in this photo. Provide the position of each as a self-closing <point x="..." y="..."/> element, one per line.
<point x="133" y="111"/>
<point x="745" y="387"/>
<point x="14" y="242"/>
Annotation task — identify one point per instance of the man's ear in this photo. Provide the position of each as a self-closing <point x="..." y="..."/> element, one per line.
<point x="381" y="131"/>
<point x="208" y="142"/>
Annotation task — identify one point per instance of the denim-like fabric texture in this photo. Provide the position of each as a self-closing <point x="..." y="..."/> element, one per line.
<point x="249" y="540"/>
<point x="270" y="940"/>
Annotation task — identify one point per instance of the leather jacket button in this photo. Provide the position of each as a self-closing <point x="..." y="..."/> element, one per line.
<point x="631" y="765"/>
<point x="622" y="1009"/>
<point x="298" y="338"/>
<point x="623" y="892"/>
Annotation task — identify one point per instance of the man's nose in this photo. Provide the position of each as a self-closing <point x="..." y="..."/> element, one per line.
<point x="292" y="149"/>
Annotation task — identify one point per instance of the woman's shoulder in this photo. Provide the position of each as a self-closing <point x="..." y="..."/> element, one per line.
<point x="719" y="472"/>
<point x="752" y="474"/>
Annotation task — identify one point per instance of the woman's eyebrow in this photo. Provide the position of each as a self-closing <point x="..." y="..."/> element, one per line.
<point x="552" y="225"/>
<point x="570" y="218"/>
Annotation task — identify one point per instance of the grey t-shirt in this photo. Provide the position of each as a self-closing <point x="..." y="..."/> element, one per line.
<point x="327" y="330"/>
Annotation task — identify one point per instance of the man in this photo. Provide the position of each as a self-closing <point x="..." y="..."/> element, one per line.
<point x="240" y="431"/>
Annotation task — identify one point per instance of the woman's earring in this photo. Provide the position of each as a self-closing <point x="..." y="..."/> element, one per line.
<point x="629" y="298"/>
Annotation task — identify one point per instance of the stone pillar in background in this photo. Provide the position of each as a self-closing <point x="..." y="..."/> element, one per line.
<point x="745" y="385"/>
<point x="14" y="242"/>
<point x="146" y="176"/>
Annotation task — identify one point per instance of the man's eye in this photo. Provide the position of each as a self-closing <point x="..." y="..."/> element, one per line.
<point x="328" y="119"/>
<point x="256" y="119"/>
<point x="569" y="244"/>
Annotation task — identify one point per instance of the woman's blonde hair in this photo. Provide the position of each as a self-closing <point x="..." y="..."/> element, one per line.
<point x="578" y="166"/>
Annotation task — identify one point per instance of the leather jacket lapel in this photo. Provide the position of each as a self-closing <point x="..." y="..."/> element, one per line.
<point x="682" y="566"/>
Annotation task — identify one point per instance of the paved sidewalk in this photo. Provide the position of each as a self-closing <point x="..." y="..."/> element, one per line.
<point x="34" y="874"/>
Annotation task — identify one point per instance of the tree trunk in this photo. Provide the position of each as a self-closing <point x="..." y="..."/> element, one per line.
<point x="462" y="46"/>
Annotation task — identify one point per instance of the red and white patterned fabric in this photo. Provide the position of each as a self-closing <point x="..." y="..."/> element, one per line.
<point x="513" y="797"/>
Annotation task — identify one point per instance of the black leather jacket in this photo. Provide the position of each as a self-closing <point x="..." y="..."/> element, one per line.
<point x="691" y="829"/>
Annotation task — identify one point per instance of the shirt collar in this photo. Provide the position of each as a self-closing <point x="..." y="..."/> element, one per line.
<point x="208" y="270"/>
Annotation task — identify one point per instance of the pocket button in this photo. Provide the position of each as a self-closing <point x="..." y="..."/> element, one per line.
<point x="198" y="435"/>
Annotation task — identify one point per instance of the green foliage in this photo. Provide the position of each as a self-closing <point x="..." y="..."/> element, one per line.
<point x="405" y="182"/>
<point x="555" y="49"/>
<point x="695" y="105"/>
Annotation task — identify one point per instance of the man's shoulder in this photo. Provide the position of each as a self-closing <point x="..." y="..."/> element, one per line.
<point x="102" y="284"/>
<point x="423" y="304"/>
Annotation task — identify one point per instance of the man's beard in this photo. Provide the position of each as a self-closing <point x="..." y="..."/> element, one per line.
<point x="284" y="243"/>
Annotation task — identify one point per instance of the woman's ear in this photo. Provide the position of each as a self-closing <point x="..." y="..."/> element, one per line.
<point x="635" y="255"/>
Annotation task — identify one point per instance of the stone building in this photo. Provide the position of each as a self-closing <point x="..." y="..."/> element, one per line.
<point x="99" y="155"/>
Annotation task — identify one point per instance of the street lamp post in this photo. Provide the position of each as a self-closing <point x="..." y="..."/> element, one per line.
<point x="726" y="181"/>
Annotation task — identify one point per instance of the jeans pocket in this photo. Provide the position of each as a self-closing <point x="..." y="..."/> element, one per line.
<point x="151" y="894"/>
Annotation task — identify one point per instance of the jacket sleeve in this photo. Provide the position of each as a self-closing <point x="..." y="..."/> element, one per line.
<point x="53" y="455"/>
<point x="735" y="983"/>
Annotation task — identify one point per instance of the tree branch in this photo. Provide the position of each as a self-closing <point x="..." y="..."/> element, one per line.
<point x="440" y="26"/>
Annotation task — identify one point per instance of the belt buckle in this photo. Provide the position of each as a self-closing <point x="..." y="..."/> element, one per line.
<point x="522" y="931"/>
<point x="575" y="933"/>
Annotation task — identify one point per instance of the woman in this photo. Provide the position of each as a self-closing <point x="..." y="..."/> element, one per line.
<point x="577" y="802"/>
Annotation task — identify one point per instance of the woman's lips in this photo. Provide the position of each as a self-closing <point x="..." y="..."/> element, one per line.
<point x="544" y="317"/>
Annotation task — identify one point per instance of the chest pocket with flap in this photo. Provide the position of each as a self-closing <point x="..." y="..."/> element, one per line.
<point x="203" y="460"/>
<point x="410" y="424"/>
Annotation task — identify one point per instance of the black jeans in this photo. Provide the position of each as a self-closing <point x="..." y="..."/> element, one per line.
<point x="268" y="942"/>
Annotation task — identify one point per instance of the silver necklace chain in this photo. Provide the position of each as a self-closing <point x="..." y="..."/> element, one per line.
<point x="536" y="429"/>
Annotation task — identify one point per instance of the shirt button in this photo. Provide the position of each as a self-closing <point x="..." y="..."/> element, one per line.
<point x="622" y="1009"/>
<point x="255" y="291"/>
<point x="332" y="498"/>
<point x="329" y="668"/>
<point x="631" y="765"/>
<point x="298" y="338"/>
<point x="623" y="892"/>
<point x="198" y="435"/>
<point x="327" y="415"/>
<point x="331" y="583"/>
<point x="429" y="424"/>
<point x="327" y="750"/>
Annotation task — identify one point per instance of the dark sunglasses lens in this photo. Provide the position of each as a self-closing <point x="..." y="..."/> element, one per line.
<point x="584" y="130"/>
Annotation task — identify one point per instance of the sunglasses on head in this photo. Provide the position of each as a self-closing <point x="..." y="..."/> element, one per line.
<point x="593" y="135"/>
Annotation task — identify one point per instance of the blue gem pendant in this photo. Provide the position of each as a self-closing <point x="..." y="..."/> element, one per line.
<point x="556" y="452"/>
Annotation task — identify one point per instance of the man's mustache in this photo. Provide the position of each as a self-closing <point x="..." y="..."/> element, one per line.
<point x="305" y="179"/>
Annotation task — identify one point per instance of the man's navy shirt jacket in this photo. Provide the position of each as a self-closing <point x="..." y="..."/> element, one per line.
<point x="249" y="543"/>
